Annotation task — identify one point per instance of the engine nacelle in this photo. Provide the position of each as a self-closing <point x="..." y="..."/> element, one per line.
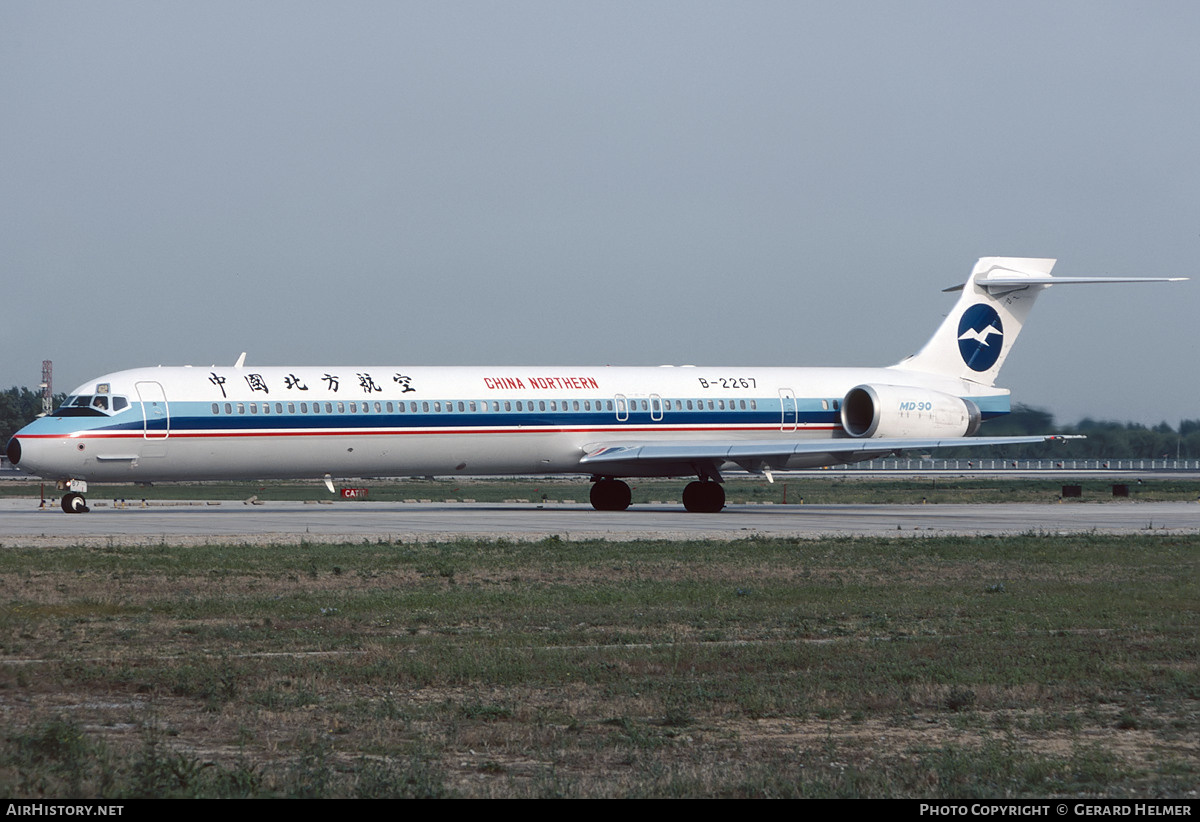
<point x="906" y="411"/>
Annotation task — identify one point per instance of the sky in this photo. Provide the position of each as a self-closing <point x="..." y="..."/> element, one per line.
<point x="591" y="183"/>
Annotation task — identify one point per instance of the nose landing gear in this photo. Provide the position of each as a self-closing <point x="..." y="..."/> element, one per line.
<point x="73" y="501"/>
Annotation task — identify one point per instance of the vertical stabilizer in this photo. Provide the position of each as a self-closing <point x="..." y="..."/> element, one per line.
<point x="975" y="338"/>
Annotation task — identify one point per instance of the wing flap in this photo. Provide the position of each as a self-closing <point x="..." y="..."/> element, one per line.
<point x="777" y="451"/>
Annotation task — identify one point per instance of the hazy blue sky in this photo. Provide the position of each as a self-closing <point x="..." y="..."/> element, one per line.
<point x="598" y="182"/>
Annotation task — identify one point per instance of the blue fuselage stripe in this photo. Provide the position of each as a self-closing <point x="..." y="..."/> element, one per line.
<point x="197" y="418"/>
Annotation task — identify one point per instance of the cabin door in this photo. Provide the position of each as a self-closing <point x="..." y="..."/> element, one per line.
<point x="788" y="417"/>
<point x="622" y="407"/>
<point x="156" y="414"/>
<point x="656" y="408"/>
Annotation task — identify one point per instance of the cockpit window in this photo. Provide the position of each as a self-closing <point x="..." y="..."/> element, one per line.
<point x="91" y="405"/>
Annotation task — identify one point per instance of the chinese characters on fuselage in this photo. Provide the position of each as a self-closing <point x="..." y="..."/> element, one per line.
<point x="290" y="382"/>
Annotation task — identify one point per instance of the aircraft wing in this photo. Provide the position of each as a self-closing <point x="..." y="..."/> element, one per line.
<point x="753" y="455"/>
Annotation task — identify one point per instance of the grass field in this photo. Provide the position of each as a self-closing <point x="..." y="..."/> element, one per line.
<point x="936" y="667"/>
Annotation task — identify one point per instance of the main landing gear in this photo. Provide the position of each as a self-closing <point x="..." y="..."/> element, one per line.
<point x="610" y="495"/>
<point x="700" y="497"/>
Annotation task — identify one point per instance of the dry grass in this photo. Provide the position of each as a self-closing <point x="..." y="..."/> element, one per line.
<point x="1028" y="666"/>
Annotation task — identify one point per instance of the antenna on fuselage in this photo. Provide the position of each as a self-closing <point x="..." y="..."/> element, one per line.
<point x="240" y="361"/>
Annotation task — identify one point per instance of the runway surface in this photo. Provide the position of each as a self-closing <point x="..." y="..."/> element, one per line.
<point x="22" y="523"/>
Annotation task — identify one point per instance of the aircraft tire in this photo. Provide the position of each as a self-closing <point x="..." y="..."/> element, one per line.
<point x="703" y="497"/>
<point x="610" y="495"/>
<point x="73" y="503"/>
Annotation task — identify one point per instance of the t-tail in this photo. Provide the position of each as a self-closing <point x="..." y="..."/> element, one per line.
<point x="977" y="336"/>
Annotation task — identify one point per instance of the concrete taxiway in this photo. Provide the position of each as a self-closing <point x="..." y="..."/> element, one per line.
<point x="23" y="523"/>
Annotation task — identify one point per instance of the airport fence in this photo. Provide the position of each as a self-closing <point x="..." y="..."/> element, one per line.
<point x="936" y="464"/>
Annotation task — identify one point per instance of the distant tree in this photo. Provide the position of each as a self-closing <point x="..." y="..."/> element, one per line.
<point x="18" y="407"/>
<point x="1104" y="438"/>
<point x="1189" y="444"/>
<point x="1022" y="420"/>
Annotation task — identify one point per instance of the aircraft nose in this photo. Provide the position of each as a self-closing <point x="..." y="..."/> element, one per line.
<point x="13" y="452"/>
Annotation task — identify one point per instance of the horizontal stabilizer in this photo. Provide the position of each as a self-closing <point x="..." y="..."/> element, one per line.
<point x="1046" y="279"/>
<point x="991" y="283"/>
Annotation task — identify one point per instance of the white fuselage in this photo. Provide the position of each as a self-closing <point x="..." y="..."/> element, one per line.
<point x="177" y="423"/>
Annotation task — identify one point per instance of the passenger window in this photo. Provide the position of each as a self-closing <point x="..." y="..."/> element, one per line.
<point x="216" y="408"/>
<point x="303" y="408"/>
<point x="541" y="405"/>
<point x="278" y="408"/>
<point x="228" y="408"/>
<point x="253" y="408"/>
<point x="291" y="408"/>
<point x="472" y="405"/>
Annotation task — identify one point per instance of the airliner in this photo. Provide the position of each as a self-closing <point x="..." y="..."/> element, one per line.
<point x="611" y="423"/>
